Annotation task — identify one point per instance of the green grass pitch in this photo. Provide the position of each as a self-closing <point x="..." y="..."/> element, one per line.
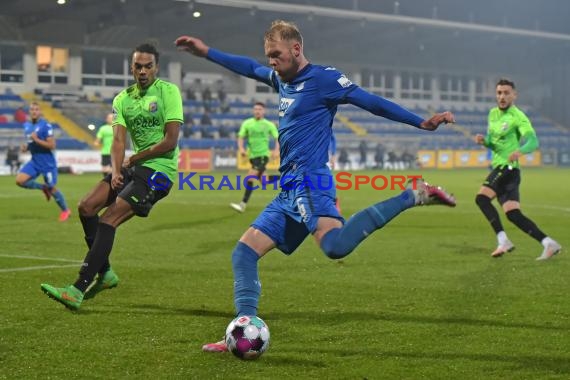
<point x="421" y="298"/>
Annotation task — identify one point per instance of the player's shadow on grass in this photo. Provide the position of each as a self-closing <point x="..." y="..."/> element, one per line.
<point x="189" y="223"/>
<point x="276" y="359"/>
<point x="165" y="309"/>
<point x="554" y="364"/>
<point x="335" y="318"/>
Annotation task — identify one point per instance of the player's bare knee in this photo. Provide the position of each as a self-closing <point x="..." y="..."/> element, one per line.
<point x="257" y="240"/>
<point x="86" y="208"/>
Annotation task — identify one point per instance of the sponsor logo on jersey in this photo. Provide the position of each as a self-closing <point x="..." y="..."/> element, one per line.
<point x="302" y="210"/>
<point x="141" y="122"/>
<point x="284" y="105"/>
<point x="344" y="81"/>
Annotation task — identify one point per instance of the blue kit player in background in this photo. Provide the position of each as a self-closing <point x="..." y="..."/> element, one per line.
<point x="40" y="142"/>
<point x="308" y="98"/>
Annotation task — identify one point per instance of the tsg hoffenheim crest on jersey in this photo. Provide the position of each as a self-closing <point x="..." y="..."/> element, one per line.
<point x="153" y="107"/>
<point x="284" y="105"/>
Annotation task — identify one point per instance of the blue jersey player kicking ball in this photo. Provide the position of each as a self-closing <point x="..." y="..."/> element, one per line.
<point x="308" y="98"/>
<point x="40" y="142"/>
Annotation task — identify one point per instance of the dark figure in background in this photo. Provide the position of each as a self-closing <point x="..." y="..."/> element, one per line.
<point x="187" y="128"/>
<point x="408" y="159"/>
<point x="362" y="148"/>
<point x="190" y="94"/>
<point x="207" y="99"/>
<point x="206" y="125"/>
<point x="392" y="158"/>
<point x="379" y="156"/>
<point x="13" y="159"/>
<point x="343" y="160"/>
<point x="223" y="98"/>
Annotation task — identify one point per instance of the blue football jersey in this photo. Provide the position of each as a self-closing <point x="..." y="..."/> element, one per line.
<point x="41" y="156"/>
<point x="307" y="106"/>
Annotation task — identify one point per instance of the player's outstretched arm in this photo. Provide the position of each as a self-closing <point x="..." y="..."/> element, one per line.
<point x="382" y="107"/>
<point x="390" y="110"/>
<point x="192" y="45"/>
<point x="241" y="65"/>
<point x="436" y="120"/>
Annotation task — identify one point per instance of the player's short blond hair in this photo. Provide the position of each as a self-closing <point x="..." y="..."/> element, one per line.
<point x="283" y="30"/>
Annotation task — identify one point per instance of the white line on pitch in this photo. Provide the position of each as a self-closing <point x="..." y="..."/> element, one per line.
<point x="557" y="208"/>
<point x="37" y="268"/>
<point x="40" y="258"/>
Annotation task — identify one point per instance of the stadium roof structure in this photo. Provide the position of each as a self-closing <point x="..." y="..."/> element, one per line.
<point x="527" y="40"/>
<point x="482" y="35"/>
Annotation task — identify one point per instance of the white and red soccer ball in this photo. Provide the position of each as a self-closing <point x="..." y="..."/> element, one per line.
<point x="247" y="337"/>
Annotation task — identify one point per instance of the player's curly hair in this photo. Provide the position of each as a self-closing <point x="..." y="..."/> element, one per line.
<point x="506" y="82"/>
<point x="283" y="30"/>
<point x="149" y="49"/>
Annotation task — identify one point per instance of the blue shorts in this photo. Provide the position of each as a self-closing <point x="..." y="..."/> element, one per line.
<point x="295" y="211"/>
<point x="34" y="171"/>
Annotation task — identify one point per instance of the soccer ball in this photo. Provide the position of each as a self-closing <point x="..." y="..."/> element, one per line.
<point x="247" y="337"/>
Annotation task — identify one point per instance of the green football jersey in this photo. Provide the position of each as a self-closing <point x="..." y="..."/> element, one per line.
<point x="145" y="114"/>
<point x="504" y="132"/>
<point x="257" y="133"/>
<point x="105" y="135"/>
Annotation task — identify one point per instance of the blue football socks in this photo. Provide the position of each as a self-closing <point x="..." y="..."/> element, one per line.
<point x="58" y="196"/>
<point x="247" y="287"/>
<point x="31" y="184"/>
<point x="339" y="242"/>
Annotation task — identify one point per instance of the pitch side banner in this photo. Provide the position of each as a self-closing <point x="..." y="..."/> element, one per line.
<point x="470" y="159"/>
<point x="198" y="160"/>
<point x="564" y="157"/>
<point x="243" y="163"/>
<point x="225" y="159"/>
<point x="427" y="158"/>
<point x="80" y="161"/>
<point x="444" y="159"/>
<point x="548" y="157"/>
<point x="532" y="159"/>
